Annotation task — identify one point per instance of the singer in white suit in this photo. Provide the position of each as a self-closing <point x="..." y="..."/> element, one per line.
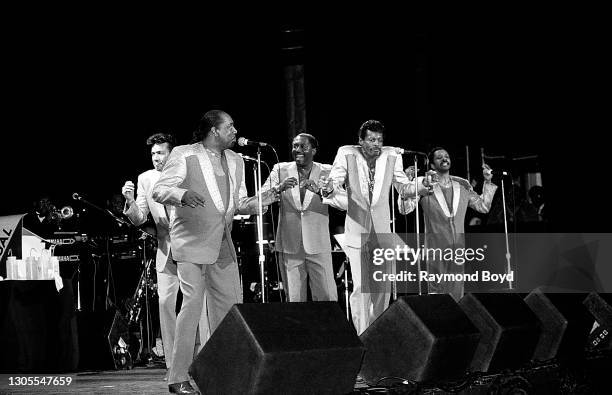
<point x="444" y="200"/>
<point x="367" y="172"/>
<point x="137" y="211"/>
<point x="302" y="238"/>
<point x="202" y="185"/>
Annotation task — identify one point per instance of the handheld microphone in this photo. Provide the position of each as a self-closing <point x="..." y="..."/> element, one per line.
<point x="402" y="151"/>
<point x="242" y="142"/>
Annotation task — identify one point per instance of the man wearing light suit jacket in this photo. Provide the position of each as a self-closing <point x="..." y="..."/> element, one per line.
<point x="302" y="238"/>
<point x="445" y="199"/>
<point x="137" y="211"/>
<point x="367" y="172"/>
<point x="203" y="187"/>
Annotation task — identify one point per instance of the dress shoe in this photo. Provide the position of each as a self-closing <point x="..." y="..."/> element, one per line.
<point x="183" y="388"/>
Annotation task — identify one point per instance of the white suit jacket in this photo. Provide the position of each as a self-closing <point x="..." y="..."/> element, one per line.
<point x="439" y="218"/>
<point x="302" y="223"/>
<point x="137" y="213"/>
<point x="196" y="233"/>
<point x="350" y="172"/>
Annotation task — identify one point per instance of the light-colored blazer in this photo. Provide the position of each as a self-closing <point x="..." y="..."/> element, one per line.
<point x="300" y="223"/>
<point x="350" y="172"/>
<point x="445" y="221"/>
<point x="137" y="213"/>
<point x="196" y="233"/>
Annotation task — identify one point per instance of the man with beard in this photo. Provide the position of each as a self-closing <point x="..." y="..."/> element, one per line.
<point x="444" y="200"/>
<point x="302" y="239"/>
<point x="202" y="185"/>
<point x="367" y="171"/>
<point x="137" y="211"/>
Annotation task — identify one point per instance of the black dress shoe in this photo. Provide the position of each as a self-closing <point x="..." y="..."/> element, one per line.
<point x="184" y="388"/>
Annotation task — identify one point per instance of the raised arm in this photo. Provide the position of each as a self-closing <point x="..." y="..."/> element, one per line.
<point x="136" y="210"/>
<point x="482" y="203"/>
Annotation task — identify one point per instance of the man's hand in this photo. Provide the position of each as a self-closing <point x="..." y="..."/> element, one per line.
<point x="287" y="183"/>
<point x="410" y="173"/>
<point x="431" y="177"/>
<point x="270" y="196"/>
<point x="128" y="192"/>
<point x="404" y="192"/>
<point x="325" y="184"/>
<point x="310" y="185"/>
<point x="487" y="172"/>
<point x="192" y="199"/>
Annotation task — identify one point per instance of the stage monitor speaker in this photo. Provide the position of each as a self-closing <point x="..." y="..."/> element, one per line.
<point x="600" y="306"/>
<point x="565" y="323"/>
<point x="280" y="348"/>
<point x="419" y="338"/>
<point x="509" y="330"/>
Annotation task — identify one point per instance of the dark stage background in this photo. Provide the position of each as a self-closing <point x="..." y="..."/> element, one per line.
<point x="82" y="98"/>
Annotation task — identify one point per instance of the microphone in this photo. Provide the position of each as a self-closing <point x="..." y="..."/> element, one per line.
<point x="402" y="151"/>
<point x="76" y="196"/>
<point x="242" y="142"/>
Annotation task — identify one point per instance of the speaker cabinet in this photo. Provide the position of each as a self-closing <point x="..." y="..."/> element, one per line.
<point x="565" y="323"/>
<point x="509" y="330"/>
<point x="280" y="348"/>
<point x="419" y="338"/>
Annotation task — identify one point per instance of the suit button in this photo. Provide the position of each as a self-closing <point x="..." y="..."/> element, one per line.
<point x="301" y="213"/>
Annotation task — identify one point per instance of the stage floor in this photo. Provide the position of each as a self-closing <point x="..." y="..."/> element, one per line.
<point x="136" y="381"/>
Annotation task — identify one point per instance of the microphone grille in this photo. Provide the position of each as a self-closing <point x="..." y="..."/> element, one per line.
<point x="242" y="141"/>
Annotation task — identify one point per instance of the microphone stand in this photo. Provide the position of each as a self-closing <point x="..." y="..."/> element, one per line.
<point x="143" y="235"/>
<point x="417" y="222"/>
<point x="394" y="268"/>
<point x="262" y="258"/>
<point x="508" y="255"/>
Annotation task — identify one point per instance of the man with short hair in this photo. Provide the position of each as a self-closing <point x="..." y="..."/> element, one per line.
<point x="137" y="211"/>
<point x="367" y="172"/>
<point x="302" y="238"/>
<point x="202" y="186"/>
<point x="444" y="200"/>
